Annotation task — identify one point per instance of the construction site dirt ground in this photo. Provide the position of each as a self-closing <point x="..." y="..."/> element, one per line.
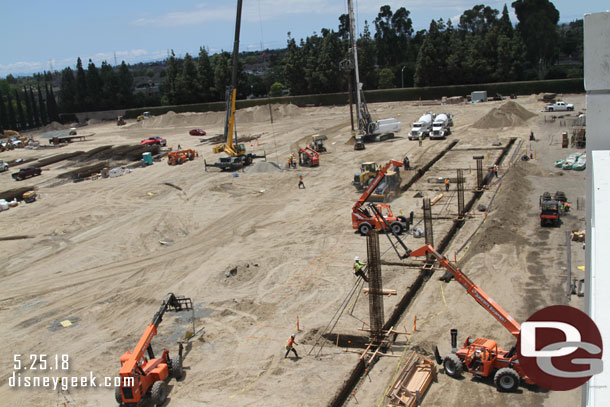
<point x="256" y="253"/>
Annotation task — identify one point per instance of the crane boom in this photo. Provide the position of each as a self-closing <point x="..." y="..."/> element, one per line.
<point x="471" y="288"/>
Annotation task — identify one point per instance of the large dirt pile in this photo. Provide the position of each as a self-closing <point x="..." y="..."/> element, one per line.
<point x="508" y="115"/>
<point x="507" y="213"/>
<point x="254" y="114"/>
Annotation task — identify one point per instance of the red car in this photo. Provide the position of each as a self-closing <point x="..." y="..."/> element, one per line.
<point x="26" y="172"/>
<point x="154" y="140"/>
<point x="197" y="132"/>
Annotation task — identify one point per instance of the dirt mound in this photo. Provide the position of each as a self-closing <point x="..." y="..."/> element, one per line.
<point x="263" y="167"/>
<point x="507" y="213"/>
<point x="508" y="115"/>
<point x="254" y="114"/>
<point x="54" y="126"/>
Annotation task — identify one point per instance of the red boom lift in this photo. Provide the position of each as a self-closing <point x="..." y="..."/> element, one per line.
<point x="482" y="357"/>
<point x="149" y="376"/>
<point x="308" y="157"/>
<point x="363" y="220"/>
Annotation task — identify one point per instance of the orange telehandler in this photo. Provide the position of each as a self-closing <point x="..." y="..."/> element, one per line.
<point x="382" y="217"/>
<point x="481" y="357"/>
<point x="144" y="378"/>
<point x="180" y="156"/>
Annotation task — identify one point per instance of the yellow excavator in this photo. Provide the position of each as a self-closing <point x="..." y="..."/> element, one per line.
<point x="237" y="157"/>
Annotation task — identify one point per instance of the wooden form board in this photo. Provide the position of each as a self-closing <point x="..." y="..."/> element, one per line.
<point x="412" y="382"/>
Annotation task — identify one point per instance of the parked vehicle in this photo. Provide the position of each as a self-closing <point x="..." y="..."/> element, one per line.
<point x="197" y="132"/>
<point x="3" y="166"/>
<point x="440" y="126"/>
<point x="26" y="172"/>
<point x="421" y="127"/>
<point x="559" y="106"/>
<point x="156" y="140"/>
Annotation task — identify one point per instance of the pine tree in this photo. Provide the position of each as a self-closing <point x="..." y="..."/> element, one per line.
<point x="94" y="87"/>
<point x="205" y="75"/>
<point x="110" y="87"/>
<point x="367" y="59"/>
<point x="22" y="123"/>
<point x="43" y="111"/>
<point x="222" y="73"/>
<point x="28" y="108"/>
<point x="125" y="81"/>
<point x="187" y="84"/>
<point x="67" y="91"/>
<point x="35" y="109"/>
<point x="3" y="115"/>
<point x="81" y="88"/>
<point x="51" y="104"/>
<point x="170" y="80"/>
<point x="294" y="68"/>
<point x="12" y="120"/>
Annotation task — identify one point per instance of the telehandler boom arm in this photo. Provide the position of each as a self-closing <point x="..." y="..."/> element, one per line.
<point x="475" y="292"/>
<point x="375" y="183"/>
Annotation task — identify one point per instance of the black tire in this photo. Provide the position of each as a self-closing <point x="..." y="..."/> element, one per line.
<point x="248" y="159"/>
<point x="453" y="365"/>
<point x="364" y="228"/>
<point x="506" y="379"/>
<point x="158" y="393"/>
<point x="570" y="108"/>
<point x="397" y="228"/>
<point x="550" y="109"/>
<point x="176" y="371"/>
<point x="117" y="396"/>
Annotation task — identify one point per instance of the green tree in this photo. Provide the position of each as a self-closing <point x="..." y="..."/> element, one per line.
<point x="294" y="71"/>
<point x="35" y="109"/>
<point x="187" y="84"/>
<point x="222" y="73"/>
<point x="386" y="79"/>
<point x="12" y="120"/>
<point x="393" y="31"/>
<point x="478" y="20"/>
<point x="28" y="108"/>
<point x="81" y="88"/>
<point x="22" y="123"/>
<point x="3" y="116"/>
<point x="538" y="27"/>
<point x="125" y="86"/>
<point x="67" y="91"/>
<point x="94" y="87"/>
<point x="110" y="87"/>
<point x="52" y="109"/>
<point x="205" y="75"/>
<point x="171" y="78"/>
<point x="276" y="90"/>
<point x="44" y="118"/>
<point x="367" y="59"/>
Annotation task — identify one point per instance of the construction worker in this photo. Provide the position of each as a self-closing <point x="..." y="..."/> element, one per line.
<point x="301" y="184"/>
<point x="405" y="162"/>
<point x="496" y="170"/>
<point x="179" y="147"/>
<point x="566" y="207"/>
<point x="294" y="160"/>
<point x="289" y="161"/>
<point x="359" y="268"/>
<point x="290" y="346"/>
<point x="421" y="137"/>
<point x="447" y="184"/>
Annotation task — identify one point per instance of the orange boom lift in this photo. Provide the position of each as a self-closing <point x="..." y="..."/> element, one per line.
<point x="147" y="378"/>
<point x="482" y="357"/>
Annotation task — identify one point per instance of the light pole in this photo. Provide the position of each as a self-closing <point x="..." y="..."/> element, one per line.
<point x="402" y="78"/>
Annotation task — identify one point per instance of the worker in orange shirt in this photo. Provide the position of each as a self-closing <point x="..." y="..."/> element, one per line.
<point x="447" y="184"/>
<point x="290" y="346"/>
<point x="301" y="184"/>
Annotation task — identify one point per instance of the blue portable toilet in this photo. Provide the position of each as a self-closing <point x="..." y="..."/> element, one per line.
<point x="147" y="158"/>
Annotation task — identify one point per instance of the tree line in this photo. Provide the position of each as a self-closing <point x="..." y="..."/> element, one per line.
<point x="483" y="47"/>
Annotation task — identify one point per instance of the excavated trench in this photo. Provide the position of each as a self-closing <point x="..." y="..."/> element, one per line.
<point x="359" y="370"/>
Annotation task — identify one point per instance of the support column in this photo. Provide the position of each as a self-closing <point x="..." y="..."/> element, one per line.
<point x="375" y="284"/>
<point x="460" y="193"/>
<point x="479" y="159"/>
<point x="428" y="235"/>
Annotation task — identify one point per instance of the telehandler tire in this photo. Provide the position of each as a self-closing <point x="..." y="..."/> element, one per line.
<point x="506" y="379"/>
<point x="364" y="228"/>
<point x="452" y="365"/>
<point x="158" y="393"/>
<point x="397" y="228"/>
<point x="117" y="396"/>
<point x="176" y="371"/>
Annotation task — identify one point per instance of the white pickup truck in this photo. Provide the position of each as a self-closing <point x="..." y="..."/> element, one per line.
<point x="3" y="166"/>
<point x="559" y="106"/>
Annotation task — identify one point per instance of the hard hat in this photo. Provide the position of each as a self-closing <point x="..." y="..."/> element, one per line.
<point x="293" y="335"/>
<point x="356" y="258"/>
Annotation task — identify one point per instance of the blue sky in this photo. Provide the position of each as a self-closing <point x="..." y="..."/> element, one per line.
<point x="39" y="34"/>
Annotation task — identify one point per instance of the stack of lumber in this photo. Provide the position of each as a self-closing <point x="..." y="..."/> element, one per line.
<point x="412" y="382"/>
<point x="578" y="235"/>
